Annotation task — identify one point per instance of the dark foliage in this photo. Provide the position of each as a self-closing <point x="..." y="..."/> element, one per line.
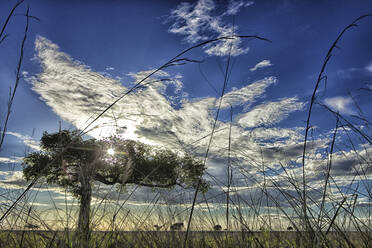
<point x="66" y="158"/>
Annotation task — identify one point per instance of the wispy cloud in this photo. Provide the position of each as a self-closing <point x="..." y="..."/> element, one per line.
<point x="12" y="179"/>
<point x="262" y="64"/>
<point x="12" y="160"/>
<point x="340" y="104"/>
<point x="369" y="67"/>
<point x="234" y="6"/>
<point x="191" y="20"/>
<point x="148" y="113"/>
<point x="248" y="94"/>
<point x="197" y="22"/>
<point x="347" y="73"/>
<point x="27" y="140"/>
<point x="270" y="113"/>
<point x="77" y="94"/>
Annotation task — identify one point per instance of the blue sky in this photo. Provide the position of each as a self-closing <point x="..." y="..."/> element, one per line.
<point x="82" y="55"/>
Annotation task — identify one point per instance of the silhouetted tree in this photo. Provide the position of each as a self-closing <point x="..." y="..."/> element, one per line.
<point x="217" y="228"/>
<point x="75" y="163"/>
<point x="176" y="226"/>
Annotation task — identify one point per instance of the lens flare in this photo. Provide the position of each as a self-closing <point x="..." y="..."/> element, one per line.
<point x="111" y="151"/>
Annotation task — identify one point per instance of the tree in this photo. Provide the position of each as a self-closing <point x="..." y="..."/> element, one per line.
<point x="75" y="163"/>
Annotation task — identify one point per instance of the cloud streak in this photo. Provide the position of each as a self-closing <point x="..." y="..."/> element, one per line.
<point x="270" y="113"/>
<point x="340" y="104"/>
<point x="262" y="64"/>
<point x="77" y="94"/>
<point x="27" y="140"/>
<point x="248" y="94"/>
<point x="234" y="6"/>
<point x="369" y="67"/>
<point x="197" y="23"/>
<point x="148" y="113"/>
<point x="14" y="160"/>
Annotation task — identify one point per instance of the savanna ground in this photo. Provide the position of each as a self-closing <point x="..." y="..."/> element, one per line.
<point x="147" y="239"/>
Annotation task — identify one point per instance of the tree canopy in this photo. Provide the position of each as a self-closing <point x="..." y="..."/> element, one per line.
<point x="75" y="163"/>
<point x="66" y="159"/>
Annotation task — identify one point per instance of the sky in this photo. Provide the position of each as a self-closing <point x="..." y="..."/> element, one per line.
<point x="80" y="56"/>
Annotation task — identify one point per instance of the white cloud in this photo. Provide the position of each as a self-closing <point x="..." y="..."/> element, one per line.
<point x="262" y="64"/>
<point x="78" y="94"/>
<point x="369" y="67"/>
<point x="347" y="73"/>
<point x="340" y="104"/>
<point x="196" y="23"/>
<point x="270" y="113"/>
<point x="15" y="180"/>
<point x="223" y="48"/>
<point x="13" y="160"/>
<point x="148" y="112"/>
<point x="27" y="140"/>
<point x="66" y="84"/>
<point x="190" y="20"/>
<point x="248" y="93"/>
<point x="12" y="177"/>
<point x="234" y="6"/>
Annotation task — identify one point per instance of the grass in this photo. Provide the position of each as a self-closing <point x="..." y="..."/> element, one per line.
<point x="329" y="215"/>
<point x="158" y="239"/>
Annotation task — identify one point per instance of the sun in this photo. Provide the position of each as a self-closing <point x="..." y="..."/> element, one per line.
<point x="111" y="151"/>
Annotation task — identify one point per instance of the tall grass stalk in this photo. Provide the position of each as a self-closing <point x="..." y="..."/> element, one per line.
<point x="320" y="216"/>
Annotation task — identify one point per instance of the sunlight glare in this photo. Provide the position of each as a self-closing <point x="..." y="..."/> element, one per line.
<point x="111" y="151"/>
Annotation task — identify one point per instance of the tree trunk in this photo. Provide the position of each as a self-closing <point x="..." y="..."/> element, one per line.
<point x="83" y="228"/>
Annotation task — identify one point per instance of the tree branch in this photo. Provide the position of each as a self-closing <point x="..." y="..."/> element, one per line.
<point x="156" y="185"/>
<point x="105" y="179"/>
<point x="115" y="179"/>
